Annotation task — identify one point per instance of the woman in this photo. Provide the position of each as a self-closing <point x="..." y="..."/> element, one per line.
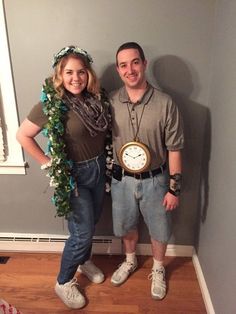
<point x="74" y="116"/>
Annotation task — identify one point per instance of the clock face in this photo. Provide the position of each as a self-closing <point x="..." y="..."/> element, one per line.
<point x="134" y="157"/>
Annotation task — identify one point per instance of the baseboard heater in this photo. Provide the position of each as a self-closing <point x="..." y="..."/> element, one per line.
<point x="20" y="242"/>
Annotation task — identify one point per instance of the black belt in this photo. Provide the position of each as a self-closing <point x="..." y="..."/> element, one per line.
<point x="142" y="175"/>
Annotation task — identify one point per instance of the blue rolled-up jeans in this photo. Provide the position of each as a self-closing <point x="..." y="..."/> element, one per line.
<point x="86" y="204"/>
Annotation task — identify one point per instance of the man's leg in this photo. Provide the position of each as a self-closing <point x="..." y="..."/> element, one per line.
<point x="130" y="241"/>
<point x="130" y="263"/>
<point x="158" y="221"/>
<point x="158" y="250"/>
<point x="158" y="287"/>
<point x="125" y="213"/>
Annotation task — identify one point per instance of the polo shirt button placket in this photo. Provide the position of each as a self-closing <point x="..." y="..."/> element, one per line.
<point x="133" y="116"/>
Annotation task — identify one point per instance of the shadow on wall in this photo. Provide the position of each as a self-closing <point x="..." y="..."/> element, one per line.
<point x="110" y="79"/>
<point x="180" y="81"/>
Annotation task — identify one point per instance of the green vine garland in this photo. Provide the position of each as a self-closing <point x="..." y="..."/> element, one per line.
<point x="60" y="169"/>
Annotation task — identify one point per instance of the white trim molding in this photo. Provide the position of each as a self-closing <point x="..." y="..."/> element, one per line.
<point x="203" y="285"/>
<point x="13" y="162"/>
<point x="2" y="148"/>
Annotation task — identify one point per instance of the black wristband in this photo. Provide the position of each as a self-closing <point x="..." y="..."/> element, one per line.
<point x="175" y="193"/>
<point x="175" y="184"/>
<point x="177" y="177"/>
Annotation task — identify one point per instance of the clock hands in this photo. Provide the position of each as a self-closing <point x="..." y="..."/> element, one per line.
<point x="129" y="155"/>
<point x="138" y="156"/>
<point x="134" y="157"/>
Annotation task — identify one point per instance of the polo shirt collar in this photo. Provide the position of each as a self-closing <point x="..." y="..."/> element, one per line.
<point x="124" y="97"/>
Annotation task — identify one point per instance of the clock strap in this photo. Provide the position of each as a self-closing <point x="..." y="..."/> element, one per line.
<point x="135" y="134"/>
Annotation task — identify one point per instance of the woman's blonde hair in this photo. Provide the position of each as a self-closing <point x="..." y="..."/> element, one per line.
<point x="93" y="83"/>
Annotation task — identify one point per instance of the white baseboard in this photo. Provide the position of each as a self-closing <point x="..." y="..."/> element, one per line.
<point x="203" y="285"/>
<point x="31" y="247"/>
<point x="172" y="250"/>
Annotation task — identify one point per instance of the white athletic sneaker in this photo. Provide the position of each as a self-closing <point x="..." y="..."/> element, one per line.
<point x="123" y="272"/>
<point x="70" y="295"/>
<point x="92" y="272"/>
<point x="158" y="287"/>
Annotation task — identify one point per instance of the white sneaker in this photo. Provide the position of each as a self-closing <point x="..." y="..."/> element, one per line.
<point x="70" y="295"/>
<point x="123" y="272"/>
<point x="91" y="271"/>
<point x="158" y="287"/>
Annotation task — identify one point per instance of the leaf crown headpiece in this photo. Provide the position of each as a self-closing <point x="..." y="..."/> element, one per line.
<point x="70" y="49"/>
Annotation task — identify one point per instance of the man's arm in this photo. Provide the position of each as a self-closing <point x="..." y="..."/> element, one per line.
<point x="171" y="201"/>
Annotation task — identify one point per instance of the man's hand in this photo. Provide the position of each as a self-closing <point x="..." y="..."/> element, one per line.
<point x="170" y="201"/>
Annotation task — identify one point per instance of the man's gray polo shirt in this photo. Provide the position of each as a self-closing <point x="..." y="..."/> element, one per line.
<point x="160" y="128"/>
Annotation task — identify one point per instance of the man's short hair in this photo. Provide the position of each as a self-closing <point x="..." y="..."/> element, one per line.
<point x="131" y="45"/>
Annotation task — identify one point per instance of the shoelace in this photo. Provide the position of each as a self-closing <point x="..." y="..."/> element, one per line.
<point x="157" y="275"/>
<point x="72" y="288"/>
<point x="125" y="266"/>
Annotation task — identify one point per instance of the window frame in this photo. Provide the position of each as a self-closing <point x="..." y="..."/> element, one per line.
<point x="14" y="159"/>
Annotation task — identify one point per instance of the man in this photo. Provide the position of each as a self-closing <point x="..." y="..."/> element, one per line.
<point x="147" y="143"/>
